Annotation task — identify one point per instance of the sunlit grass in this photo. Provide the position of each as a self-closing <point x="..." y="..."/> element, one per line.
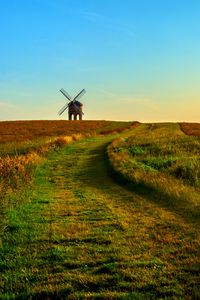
<point x="77" y="234"/>
<point x="161" y="160"/>
<point x="20" y="131"/>
<point x="19" y="158"/>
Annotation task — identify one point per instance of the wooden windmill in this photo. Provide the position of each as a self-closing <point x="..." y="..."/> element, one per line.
<point x="74" y="106"/>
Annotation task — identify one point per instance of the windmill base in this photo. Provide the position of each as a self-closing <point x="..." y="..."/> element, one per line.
<point x="75" y="117"/>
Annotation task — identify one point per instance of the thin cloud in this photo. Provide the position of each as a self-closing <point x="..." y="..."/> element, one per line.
<point x="90" y="15"/>
<point x="106" y="93"/>
<point x="120" y="99"/>
<point x="93" y="16"/>
<point x="145" y="102"/>
<point x="6" y="105"/>
<point x="105" y="21"/>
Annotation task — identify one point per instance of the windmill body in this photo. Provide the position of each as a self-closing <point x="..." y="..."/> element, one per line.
<point x="75" y="108"/>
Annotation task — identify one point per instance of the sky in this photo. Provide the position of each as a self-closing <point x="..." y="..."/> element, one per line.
<point x="137" y="59"/>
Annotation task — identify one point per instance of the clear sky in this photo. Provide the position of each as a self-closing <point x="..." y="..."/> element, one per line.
<point x="137" y="59"/>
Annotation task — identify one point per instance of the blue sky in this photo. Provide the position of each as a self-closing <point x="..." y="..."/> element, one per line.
<point x="137" y="59"/>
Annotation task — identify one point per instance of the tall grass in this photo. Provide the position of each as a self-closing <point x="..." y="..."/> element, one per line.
<point x="16" y="170"/>
<point x="160" y="160"/>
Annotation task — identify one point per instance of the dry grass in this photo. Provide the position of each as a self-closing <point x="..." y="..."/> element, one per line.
<point x="15" y="131"/>
<point x="191" y="128"/>
<point x="16" y="170"/>
<point x="12" y="169"/>
<point x="20" y="137"/>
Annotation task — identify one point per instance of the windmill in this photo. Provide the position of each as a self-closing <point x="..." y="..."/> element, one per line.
<point x="74" y="106"/>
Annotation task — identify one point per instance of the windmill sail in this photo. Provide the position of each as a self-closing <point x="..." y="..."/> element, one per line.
<point x="74" y="106"/>
<point x="63" y="109"/>
<point x="79" y="95"/>
<point x="66" y="94"/>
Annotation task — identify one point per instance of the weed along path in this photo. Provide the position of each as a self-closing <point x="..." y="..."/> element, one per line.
<point x="83" y="236"/>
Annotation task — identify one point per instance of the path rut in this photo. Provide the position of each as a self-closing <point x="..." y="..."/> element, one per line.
<point x="95" y="238"/>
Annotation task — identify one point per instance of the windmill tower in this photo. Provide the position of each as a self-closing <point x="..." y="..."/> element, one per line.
<point x="74" y="106"/>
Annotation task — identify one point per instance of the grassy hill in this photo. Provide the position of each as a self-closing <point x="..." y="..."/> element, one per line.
<point x="16" y="131"/>
<point x="75" y="225"/>
<point x="160" y="162"/>
<point x="19" y="137"/>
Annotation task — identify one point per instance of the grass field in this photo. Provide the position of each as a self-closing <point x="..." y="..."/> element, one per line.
<point x="19" y="137"/>
<point x="16" y="131"/>
<point x="161" y="160"/>
<point x="34" y="139"/>
<point x="79" y="231"/>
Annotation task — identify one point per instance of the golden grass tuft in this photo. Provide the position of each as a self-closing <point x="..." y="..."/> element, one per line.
<point x="62" y="141"/>
<point x="15" y="170"/>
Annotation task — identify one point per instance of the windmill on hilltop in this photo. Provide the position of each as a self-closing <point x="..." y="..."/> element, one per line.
<point x="74" y="106"/>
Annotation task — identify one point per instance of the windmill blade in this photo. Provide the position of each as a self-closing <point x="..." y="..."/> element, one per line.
<point x="79" y="95"/>
<point x="66" y="94"/>
<point x="63" y="109"/>
<point x="78" y="109"/>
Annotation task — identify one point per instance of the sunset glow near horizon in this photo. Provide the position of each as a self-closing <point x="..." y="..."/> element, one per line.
<point x="137" y="59"/>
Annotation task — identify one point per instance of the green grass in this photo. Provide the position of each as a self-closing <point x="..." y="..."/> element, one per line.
<point x="77" y="234"/>
<point x="160" y="160"/>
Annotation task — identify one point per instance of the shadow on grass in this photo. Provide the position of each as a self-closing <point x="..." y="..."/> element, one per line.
<point x="176" y="205"/>
<point x="46" y="295"/>
<point x="100" y="174"/>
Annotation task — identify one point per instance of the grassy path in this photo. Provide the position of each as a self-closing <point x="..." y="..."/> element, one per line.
<point x="83" y="236"/>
